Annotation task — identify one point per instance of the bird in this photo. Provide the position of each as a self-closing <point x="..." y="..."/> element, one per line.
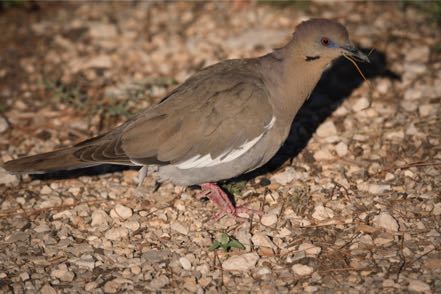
<point x="224" y="121"/>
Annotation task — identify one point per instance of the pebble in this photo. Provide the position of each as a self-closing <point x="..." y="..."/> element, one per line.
<point x="418" y="286"/>
<point x="99" y="218"/>
<point x="112" y="286"/>
<point x="412" y="94"/>
<point x="261" y="240"/>
<point x="115" y="234"/>
<point x="264" y="270"/>
<point x="47" y="289"/>
<point x="420" y="54"/>
<point x="159" y="282"/>
<point x="394" y="135"/>
<point x="386" y="221"/>
<point x="63" y="274"/>
<point x="102" y="31"/>
<point x="341" y="149"/>
<point x="186" y="264"/>
<point x="6" y="178"/>
<point x="301" y="269"/>
<point x="121" y="211"/>
<point x="323" y="154"/>
<point x="4" y="125"/>
<point x="46" y="190"/>
<point x="360" y="104"/>
<point x="242" y="262"/>
<point x="24" y="276"/>
<point x="321" y="213"/>
<point x="268" y="219"/>
<point x="178" y="227"/>
<point x="326" y="129"/>
<point x="288" y="175"/>
<point x="310" y="249"/>
<point x="437" y="209"/>
<point x="426" y="110"/>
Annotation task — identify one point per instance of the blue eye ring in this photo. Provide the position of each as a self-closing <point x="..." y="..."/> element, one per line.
<point x="325" y="41"/>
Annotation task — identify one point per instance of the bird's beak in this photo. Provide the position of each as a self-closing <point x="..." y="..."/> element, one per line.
<point x="351" y="50"/>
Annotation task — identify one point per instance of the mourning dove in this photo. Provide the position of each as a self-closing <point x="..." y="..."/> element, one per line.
<point x="226" y="120"/>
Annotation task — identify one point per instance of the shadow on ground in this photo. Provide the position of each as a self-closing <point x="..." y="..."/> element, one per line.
<point x="333" y="88"/>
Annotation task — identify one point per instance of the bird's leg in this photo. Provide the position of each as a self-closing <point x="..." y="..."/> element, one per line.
<point x="221" y="200"/>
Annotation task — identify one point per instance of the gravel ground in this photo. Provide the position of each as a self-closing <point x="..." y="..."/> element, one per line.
<point x="351" y="203"/>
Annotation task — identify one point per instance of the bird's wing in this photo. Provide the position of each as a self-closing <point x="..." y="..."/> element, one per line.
<point x="209" y="119"/>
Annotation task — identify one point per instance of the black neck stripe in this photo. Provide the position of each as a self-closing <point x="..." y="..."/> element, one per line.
<point x="311" y="58"/>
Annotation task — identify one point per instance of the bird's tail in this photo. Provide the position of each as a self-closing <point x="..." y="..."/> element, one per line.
<point x="63" y="159"/>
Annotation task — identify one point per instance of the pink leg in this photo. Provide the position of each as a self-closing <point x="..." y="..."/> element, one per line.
<point x="221" y="200"/>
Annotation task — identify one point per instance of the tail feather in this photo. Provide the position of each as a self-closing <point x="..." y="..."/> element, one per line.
<point x="63" y="159"/>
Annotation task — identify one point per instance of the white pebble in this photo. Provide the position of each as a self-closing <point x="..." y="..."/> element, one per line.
<point x="6" y="178"/>
<point x="122" y="211"/>
<point x="179" y="228"/>
<point x="310" y="249"/>
<point x="321" y="213"/>
<point x="341" y="149"/>
<point x="386" y="221"/>
<point x="301" y="269"/>
<point x="418" y="286"/>
<point x="261" y="240"/>
<point x="326" y="129"/>
<point x="186" y="264"/>
<point x="116" y="233"/>
<point x="360" y="104"/>
<point x="242" y="262"/>
<point x="99" y="217"/>
<point x="268" y="219"/>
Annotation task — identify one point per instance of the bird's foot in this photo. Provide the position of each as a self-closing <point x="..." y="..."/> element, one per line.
<point x="223" y="202"/>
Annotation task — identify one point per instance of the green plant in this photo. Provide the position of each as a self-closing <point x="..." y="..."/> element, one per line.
<point x="227" y="243"/>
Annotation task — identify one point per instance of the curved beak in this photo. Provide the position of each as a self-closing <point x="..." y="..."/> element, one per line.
<point x="351" y="50"/>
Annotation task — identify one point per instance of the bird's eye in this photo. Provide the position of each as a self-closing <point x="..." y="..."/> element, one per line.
<point x="325" y="41"/>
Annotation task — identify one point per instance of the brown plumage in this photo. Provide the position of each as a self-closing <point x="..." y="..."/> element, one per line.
<point x="225" y="120"/>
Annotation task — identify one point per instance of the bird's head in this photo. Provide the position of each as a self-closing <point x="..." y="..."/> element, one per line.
<point x="322" y="40"/>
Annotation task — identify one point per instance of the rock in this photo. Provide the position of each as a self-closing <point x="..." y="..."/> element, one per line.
<point x="99" y="218"/>
<point x="341" y="149"/>
<point x="186" y="264"/>
<point x="100" y="61"/>
<point x="360" y="104"/>
<point x="323" y="154"/>
<point x="63" y="274"/>
<point x="372" y="188"/>
<point x="115" y="234"/>
<point x="310" y="249"/>
<point x="326" y="129"/>
<point x="111" y="287"/>
<point x="268" y="219"/>
<point x="102" y="31"/>
<point x="122" y="211"/>
<point x="394" y="135"/>
<point x="420" y="54"/>
<point x="383" y="86"/>
<point x="46" y="190"/>
<point x="413" y="94"/>
<point x="6" y="178"/>
<point x="287" y="176"/>
<point x="426" y="110"/>
<point x="179" y="228"/>
<point x="386" y="221"/>
<point x="242" y="262"/>
<point x="437" y="209"/>
<point x="24" y="276"/>
<point x="321" y="213"/>
<point x="47" y="289"/>
<point x="159" y="282"/>
<point x="264" y="270"/>
<point x="418" y="286"/>
<point x="4" y="125"/>
<point x="301" y="269"/>
<point x="261" y="240"/>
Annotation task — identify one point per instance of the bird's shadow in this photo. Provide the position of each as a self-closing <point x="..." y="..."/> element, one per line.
<point x="334" y="87"/>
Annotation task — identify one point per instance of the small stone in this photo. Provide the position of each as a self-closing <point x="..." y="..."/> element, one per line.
<point x="420" y="54"/>
<point x="261" y="240"/>
<point x="360" y="104"/>
<point x="24" y="276"/>
<point x="412" y="94"/>
<point x="310" y="249"/>
<point x="242" y="262"/>
<point x="6" y="178"/>
<point x="301" y="269"/>
<point x="111" y="287"/>
<point x="100" y="61"/>
<point x="287" y="176"/>
<point x="102" y="31"/>
<point x="341" y="149"/>
<point x="186" y="264"/>
<point x="47" y="289"/>
<point x="323" y="154"/>
<point x="132" y="225"/>
<point x="437" y="209"/>
<point x="268" y="219"/>
<point x="99" y="218"/>
<point x="159" y="282"/>
<point x="115" y="234"/>
<point x="63" y="274"/>
<point x="321" y="213"/>
<point x="426" y="110"/>
<point x="386" y="221"/>
<point x="179" y="228"/>
<point x="4" y="125"/>
<point x="418" y="286"/>
<point x="264" y="270"/>
<point x="326" y="129"/>
<point x="122" y="211"/>
<point x="383" y="86"/>
<point x="46" y="190"/>
<point x="393" y="135"/>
